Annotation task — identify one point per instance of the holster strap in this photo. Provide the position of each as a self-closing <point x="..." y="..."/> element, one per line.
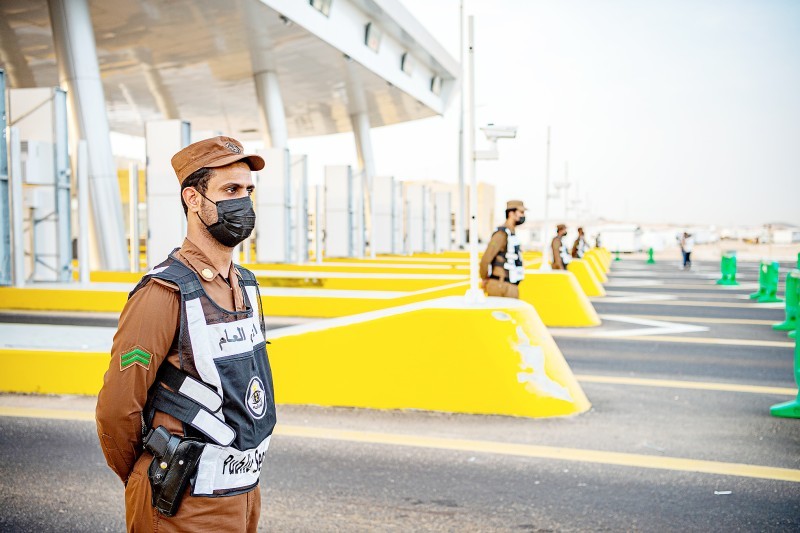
<point x="190" y="412"/>
<point x="186" y="385"/>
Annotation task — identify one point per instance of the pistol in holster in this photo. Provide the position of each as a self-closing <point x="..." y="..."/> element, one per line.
<point x="174" y="463"/>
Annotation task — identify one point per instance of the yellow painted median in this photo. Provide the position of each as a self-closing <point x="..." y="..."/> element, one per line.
<point x="440" y="355"/>
<point x="559" y="299"/>
<point x="586" y="278"/>
<point x="50" y="372"/>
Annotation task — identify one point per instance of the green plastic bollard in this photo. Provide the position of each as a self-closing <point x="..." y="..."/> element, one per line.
<point x="762" y="274"/>
<point x="617" y="257"/>
<point x="790" y="409"/>
<point x="792" y="302"/>
<point x="771" y="280"/>
<point x="650" y="260"/>
<point x="728" y="269"/>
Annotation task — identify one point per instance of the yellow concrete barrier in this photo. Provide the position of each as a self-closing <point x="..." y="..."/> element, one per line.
<point x="607" y="255"/>
<point x="98" y="298"/>
<point x="558" y="299"/>
<point x="319" y="279"/>
<point x="439" y="355"/>
<point x="557" y="296"/>
<point x="586" y="278"/>
<point x="277" y="301"/>
<point x="598" y="269"/>
<point x="48" y="372"/>
<point x="601" y="257"/>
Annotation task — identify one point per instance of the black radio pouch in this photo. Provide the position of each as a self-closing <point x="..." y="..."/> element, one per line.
<point x="174" y="463"/>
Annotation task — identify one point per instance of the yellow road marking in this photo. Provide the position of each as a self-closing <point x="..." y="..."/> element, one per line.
<point x="56" y="414"/>
<point x="480" y="446"/>
<point x="683" y="340"/>
<point x="676" y="384"/>
<point x="703" y="320"/>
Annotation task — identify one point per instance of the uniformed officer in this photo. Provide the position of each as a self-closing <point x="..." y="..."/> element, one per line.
<point x="186" y="410"/>
<point x="501" y="265"/>
<point x="561" y="255"/>
<point x="580" y="246"/>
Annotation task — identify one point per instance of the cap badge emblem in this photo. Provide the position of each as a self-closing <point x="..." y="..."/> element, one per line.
<point x="233" y="148"/>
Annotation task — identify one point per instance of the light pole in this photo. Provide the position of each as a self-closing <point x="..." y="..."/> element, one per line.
<point x="493" y="133"/>
<point x="547" y="197"/>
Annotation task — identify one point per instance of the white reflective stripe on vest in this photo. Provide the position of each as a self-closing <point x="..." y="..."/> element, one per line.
<point x="214" y="428"/>
<point x="191" y="388"/>
<point x="212" y="341"/>
<point x="225" y="468"/>
<point x="564" y="253"/>
<point x="516" y="273"/>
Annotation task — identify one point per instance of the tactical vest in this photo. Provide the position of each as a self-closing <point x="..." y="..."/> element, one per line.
<point x="511" y="258"/>
<point x="566" y="257"/>
<point x="580" y="247"/>
<point x="563" y="252"/>
<point x="231" y="407"/>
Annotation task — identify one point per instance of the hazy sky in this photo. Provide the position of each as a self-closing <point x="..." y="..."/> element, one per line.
<point x="667" y="111"/>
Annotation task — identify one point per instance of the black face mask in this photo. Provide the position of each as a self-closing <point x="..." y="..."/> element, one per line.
<point x="521" y="221"/>
<point x="235" y="220"/>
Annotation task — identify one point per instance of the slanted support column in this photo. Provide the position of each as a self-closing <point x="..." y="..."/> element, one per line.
<point x="270" y="109"/>
<point x="79" y="74"/>
<point x="361" y="131"/>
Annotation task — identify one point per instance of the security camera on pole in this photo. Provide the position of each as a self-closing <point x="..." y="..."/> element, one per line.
<point x="493" y="133"/>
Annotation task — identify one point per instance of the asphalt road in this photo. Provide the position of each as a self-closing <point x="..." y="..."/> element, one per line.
<point x="53" y="476"/>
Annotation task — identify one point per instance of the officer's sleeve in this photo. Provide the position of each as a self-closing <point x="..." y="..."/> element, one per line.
<point x="495" y="246"/>
<point x="556" y="247"/>
<point x="147" y="329"/>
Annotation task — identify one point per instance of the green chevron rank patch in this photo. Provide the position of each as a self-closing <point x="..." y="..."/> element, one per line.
<point x="137" y="356"/>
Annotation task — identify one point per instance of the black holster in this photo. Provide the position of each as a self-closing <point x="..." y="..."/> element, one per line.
<point x="174" y="463"/>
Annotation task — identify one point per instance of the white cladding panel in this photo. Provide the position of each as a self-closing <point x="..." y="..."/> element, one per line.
<point x="442" y="225"/>
<point x="273" y="209"/>
<point x="427" y="221"/>
<point x="166" y="222"/>
<point x="398" y="219"/>
<point x="338" y="211"/>
<point x="384" y="209"/>
<point x="415" y="218"/>
<point x="299" y="208"/>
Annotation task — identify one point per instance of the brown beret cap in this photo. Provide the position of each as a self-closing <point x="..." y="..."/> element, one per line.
<point x="515" y="204"/>
<point x="212" y="153"/>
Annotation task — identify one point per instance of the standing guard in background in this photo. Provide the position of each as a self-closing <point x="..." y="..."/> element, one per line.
<point x="501" y="265"/>
<point x="187" y="408"/>
<point x="561" y="255"/>
<point x="580" y="246"/>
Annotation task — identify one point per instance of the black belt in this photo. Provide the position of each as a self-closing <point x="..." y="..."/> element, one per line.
<point x="503" y="279"/>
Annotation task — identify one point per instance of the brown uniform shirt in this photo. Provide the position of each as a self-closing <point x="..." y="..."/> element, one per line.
<point x="558" y="262"/>
<point x="497" y="244"/>
<point x="150" y="323"/>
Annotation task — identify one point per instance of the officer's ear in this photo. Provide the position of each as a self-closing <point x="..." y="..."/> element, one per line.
<point x="192" y="199"/>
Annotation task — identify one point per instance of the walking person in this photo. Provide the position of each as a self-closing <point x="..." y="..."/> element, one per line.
<point x="687" y="245"/>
